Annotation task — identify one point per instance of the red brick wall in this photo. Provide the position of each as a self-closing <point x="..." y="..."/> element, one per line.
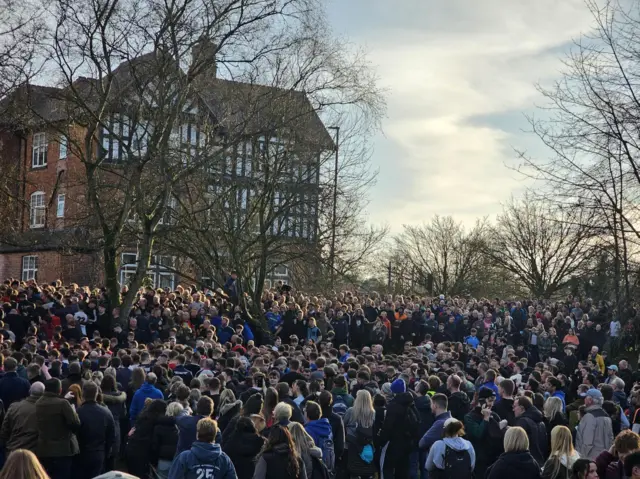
<point x="84" y="269"/>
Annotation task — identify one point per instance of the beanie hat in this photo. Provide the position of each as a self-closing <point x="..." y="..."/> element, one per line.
<point x="398" y="386"/>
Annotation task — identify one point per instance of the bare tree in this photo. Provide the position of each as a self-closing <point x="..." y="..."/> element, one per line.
<point x="542" y="247"/>
<point x="443" y="249"/>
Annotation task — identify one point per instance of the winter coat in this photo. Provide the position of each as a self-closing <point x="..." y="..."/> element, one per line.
<point x="459" y="405"/>
<point x="202" y="460"/>
<point x="97" y="429"/>
<point x="609" y="466"/>
<point x="435" y="459"/>
<point x="139" y="444"/>
<point x="337" y="429"/>
<point x="20" y="426"/>
<point x="504" y="409"/>
<point x="530" y="420"/>
<point x="13" y="388"/>
<point x="274" y="464"/>
<point x="146" y="391"/>
<point x="115" y="401"/>
<point x="400" y="432"/>
<point x="423" y="405"/>
<point x="595" y="433"/>
<point x="165" y="439"/>
<point x="243" y="448"/>
<point x="58" y="424"/>
<point x="486" y="437"/>
<point x="186" y="431"/>
<point x="357" y="440"/>
<point x="319" y="430"/>
<point x="227" y="413"/>
<point x="558" y="420"/>
<point x="435" y="431"/>
<point x="509" y="462"/>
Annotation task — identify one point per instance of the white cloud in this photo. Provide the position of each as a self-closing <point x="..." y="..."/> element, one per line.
<point x="458" y="73"/>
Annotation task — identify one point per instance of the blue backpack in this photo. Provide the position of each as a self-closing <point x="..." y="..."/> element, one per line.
<point x="328" y="454"/>
<point x="340" y="406"/>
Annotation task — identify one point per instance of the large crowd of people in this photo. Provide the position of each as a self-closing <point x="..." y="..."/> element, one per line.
<point x="189" y="385"/>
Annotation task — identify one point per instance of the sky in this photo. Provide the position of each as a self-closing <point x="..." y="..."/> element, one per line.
<point x="460" y="77"/>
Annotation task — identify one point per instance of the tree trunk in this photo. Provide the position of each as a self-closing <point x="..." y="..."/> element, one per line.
<point x="112" y="283"/>
<point x="144" y="258"/>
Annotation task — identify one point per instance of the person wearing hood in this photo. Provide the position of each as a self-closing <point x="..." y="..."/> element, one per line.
<point x="317" y="427"/>
<point x="515" y="458"/>
<point x="529" y="418"/>
<point x="464" y="455"/>
<point x="205" y="458"/>
<point x="147" y="391"/>
<point x="399" y="432"/>
<point x="458" y="401"/>
<point x="228" y="409"/>
<point x="243" y="447"/>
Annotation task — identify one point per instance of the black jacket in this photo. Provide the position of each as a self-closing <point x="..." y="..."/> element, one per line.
<point x="243" y="447"/>
<point x="297" y="413"/>
<point x="530" y="421"/>
<point x="423" y="405"/>
<point x="337" y="429"/>
<point x="398" y="429"/>
<point x="97" y="429"/>
<point x="510" y="462"/>
<point x="165" y="439"/>
<point x="504" y="409"/>
<point x="459" y="405"/>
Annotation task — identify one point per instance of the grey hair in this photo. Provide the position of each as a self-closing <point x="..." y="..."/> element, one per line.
<point x="618" y="384"/>
<point x="174" y="409"/>
<point x="37" y="389"/>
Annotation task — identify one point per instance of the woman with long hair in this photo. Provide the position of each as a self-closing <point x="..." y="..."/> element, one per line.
<point x="305" y="447"/>
<point x="362" y="413"/>
<point x="562" y="455"/>
<point x="584" y="469"/>
<point x="115" y="402"/>
<point x="360" y="436"/>
<point x="516" y="457"/>
<point x="553" y="416"/>
<point x="269" y="405"/>
<point x="451" y="439"/>
<point x="76" y="391"/>
<point x="23" y="464"/>
<point x="138" y="451"/>
<point x="279" y="457"/>
<point x="229" y="408"/>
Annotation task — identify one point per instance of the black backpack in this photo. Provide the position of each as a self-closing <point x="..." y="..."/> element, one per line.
<point x="457" y="465"/>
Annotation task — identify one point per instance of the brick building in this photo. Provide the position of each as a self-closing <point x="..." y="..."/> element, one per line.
<point x="44" y="236"/>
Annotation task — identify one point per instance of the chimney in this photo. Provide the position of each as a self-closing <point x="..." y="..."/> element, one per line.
<point x="203" y="58"/>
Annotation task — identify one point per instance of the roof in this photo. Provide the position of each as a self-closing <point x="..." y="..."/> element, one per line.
<point x="240" y="108"/>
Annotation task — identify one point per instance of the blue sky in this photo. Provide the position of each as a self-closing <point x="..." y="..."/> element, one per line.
<point x="460" y="76"/>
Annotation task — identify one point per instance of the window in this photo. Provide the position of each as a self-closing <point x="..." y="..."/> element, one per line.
<point x="280" y="270"/>
<point x="60" y="209"/>
<point x="38" y="210"/>
<point x="169" y="210"/>
<point x="39" y="153"/>
<point x="63" y="147"/>
<point x="159" y="271"/>
<point x="29" y="267"/>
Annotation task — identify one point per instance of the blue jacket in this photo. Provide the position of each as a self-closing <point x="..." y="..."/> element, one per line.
<point x="13" y="388"/>
<point x="319" y="430"/>
<point x="247" y="333"/>
<point x="224" y="334"/>
<point x="473" y="341"/>
<point x="187" y="432"/>
<point x="560" y="394"/>
<point x="137" y="403"/>
<point x="273" y="320"/>
<point x="202" y="460"/>
<point x="435" y="431"/>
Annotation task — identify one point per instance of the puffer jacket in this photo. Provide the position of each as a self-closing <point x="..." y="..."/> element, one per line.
<point x="595" y="433"/>
<point x="165" y="439"/>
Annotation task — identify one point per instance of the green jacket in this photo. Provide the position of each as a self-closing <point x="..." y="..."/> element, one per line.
<point x="57" y="425"/>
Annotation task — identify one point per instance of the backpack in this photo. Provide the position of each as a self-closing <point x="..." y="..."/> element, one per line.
<point x="457" y="464"/>
<point x="328" y="454"/>
<point x="411" y="423"/>
<point x="319" y="470"/>
<point x="340" y="406"/>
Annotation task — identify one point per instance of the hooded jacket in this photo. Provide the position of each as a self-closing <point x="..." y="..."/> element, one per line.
<point x="435" y="459"/>
<point x="396" y="429"/>
<point x="243" y="447"/>
<point x="147" y="390"/>
<point x="187" y="432"/>
<point x="532" y="421"/>
<point x="459" y="405"/>
<point x="319" y="430"/>
<point x="202" y="460"/>
<point x="507" y="463"/>
<point x="560" y="394"/>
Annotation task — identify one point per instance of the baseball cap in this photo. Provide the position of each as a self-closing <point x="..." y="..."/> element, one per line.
<point x="613" y="367"/>
<point x="594" y="394"/>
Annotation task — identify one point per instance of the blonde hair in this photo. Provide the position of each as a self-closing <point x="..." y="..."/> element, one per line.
<point x="561" y="442"/>
<point x="552" y="406"/>
<point x="302" y="441"/>
<point x="174" y="409"/>
<point x="363" y="412"/>
<point x="23" y="464"/>
<point x="516" y="440"/>
<point x="226" y="397"/>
